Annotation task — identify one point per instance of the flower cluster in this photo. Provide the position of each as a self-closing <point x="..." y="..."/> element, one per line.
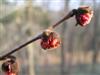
<point x="10" y="66"/>
<point x="50" y="40"/>
<point x="83" y="15"/>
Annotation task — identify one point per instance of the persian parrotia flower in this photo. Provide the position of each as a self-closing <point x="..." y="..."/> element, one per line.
<point x="50" y="40"/>
<point x="83" y="15"/>
<point x="10" y="67"/>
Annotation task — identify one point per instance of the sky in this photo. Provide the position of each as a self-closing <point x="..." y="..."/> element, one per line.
<point x="54" y="5"/>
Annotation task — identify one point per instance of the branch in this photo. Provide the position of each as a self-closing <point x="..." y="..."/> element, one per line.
<point x="19" y="47"/>
<point x="66" y="17"/>
<point x="70" y="14"/>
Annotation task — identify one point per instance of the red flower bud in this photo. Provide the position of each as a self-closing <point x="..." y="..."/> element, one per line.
<point x="50" y="40"/>
<point x="83" y="15"/>
<point x="10" y="66"/>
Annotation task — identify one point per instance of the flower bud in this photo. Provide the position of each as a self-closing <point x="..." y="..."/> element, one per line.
<point x="83" y="15"/>
<point x="50" y="40"/>
<point x="10" y="66"/>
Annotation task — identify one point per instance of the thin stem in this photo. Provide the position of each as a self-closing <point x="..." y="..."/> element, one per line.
<point x="19" y="47"/>
<point x="70" y="14"/>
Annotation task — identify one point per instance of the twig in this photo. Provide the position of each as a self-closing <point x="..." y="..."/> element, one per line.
<point x="19" y="47"/>
<point x="70" y="14"/>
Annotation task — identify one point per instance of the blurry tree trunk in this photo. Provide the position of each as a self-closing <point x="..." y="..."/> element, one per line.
<point x="94" y="40"/>
<point x="85" y="43"/>
<point x="18" y="18"/>
<point x="62" y="49"/>
<point x="63" y="32"/>
<point x="71" y="38"/>
<point x="31" y="46"/>
<point x="70" y="46"/>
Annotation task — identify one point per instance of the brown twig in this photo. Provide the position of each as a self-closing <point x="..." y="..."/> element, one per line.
<point x="19" y="47"/>
<point x="70" y="14"/>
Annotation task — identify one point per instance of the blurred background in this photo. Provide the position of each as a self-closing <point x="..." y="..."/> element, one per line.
<point x="79" y="53"/>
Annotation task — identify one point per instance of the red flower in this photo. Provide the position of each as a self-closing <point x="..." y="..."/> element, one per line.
<point x="10" y="67"/>
<point x="50" y="40"/>
<point x="83" y="15"/>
